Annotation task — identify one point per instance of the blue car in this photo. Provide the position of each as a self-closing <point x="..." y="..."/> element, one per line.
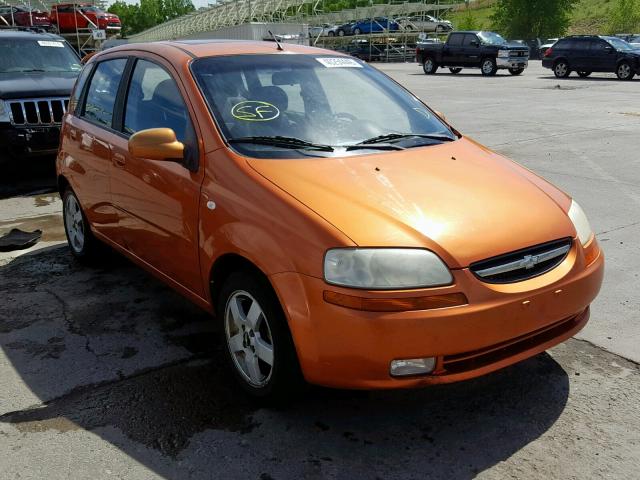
<point x="374" y="25"/>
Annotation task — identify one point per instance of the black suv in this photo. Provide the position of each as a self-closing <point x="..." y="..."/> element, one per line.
<point x="591" y="53"/>
<point x="37" y="72"/>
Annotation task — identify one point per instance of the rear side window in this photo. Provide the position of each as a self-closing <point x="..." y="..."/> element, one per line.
<point x="455" y="39"/>
<point x="564" y="44"/>
<point x="103" y="88"/>
<point x="154" y="101"/>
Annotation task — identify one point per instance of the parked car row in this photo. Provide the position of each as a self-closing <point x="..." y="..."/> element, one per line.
<point x="425" y="23"/>
<point x="63" y="18"/>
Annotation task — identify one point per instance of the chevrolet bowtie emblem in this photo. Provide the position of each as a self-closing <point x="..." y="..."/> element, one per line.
<point x="529" y="261"/>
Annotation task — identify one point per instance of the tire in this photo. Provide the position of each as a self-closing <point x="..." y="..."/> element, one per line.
<point x="429" y="66"/>
<point x="83" y="245"/>
<point x="516" y="71"/>
<point x="455" y="70"/>
<point x="341" y="33"/>
<point x="255" y="328"/>
<point x="357" y="31"/>
<point x="584" y="74"/>
<point x="624" y="71"/>
<point x="331" y="34"/>
<point x="488" y="67"/>
<point x="561" y="69"/>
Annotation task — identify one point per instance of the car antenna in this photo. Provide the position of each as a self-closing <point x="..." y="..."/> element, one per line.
<point x="275" y="39"/>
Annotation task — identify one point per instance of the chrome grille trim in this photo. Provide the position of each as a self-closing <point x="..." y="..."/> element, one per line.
<point x="18" y="111"/>
<point x="522" y="264"/>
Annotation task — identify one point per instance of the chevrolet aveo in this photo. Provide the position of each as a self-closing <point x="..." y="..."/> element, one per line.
<point x="340" y="230"/>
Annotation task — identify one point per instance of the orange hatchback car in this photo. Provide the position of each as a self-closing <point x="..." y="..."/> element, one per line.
<point x="340" y="229"/>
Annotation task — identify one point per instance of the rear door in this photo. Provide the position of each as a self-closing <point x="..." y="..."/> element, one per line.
<point x="452" y="51"/>
<point x="88" y="135"/>
<point x="158" y="201"/>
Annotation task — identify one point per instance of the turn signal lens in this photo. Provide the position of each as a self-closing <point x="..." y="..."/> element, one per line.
<point x="395" y="304"/>
<point x="591" y="251"/>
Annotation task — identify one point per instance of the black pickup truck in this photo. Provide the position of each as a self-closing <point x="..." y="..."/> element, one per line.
<point x="37" y="72"/>
<point x="487" y="51"/>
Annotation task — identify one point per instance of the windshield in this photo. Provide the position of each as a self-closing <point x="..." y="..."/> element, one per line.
<point x="619" y="44"/>
<point x="20" y="55"/>
<point x="322" y="100"/>
<point x="92" y="9"/>
<point x="491" y="38"/>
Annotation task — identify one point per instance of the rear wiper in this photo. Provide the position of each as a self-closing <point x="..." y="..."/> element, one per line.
<point x="397" y="136"/>
<point x="283" y="142"/>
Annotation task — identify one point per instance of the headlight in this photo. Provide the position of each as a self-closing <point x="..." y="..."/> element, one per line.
<point x="385" y="268"/>
<point x="580" y="222"/>
<point x="4" y="112"/>
<point x="503" y="53"/>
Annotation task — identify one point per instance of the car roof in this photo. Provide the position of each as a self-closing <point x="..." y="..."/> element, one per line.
<point x="28" y="34"/>
<point x="215" y="47"/>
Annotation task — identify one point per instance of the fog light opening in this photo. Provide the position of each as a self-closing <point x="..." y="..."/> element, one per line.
<point x="412" y="366"/>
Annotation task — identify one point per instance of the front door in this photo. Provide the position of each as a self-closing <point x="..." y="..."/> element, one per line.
<point x="158" y="200"/>
<point x="470" y="50"/>
<point x="602" y="56"/>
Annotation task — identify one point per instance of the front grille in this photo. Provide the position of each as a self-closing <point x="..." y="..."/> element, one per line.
<point x="522" y="264"/>
<point x="518" y="53"/>
<point x="38" y="111"/>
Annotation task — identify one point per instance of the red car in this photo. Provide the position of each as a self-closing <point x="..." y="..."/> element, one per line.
<point x="69" y="16"/>
<point x="22" y="17"/>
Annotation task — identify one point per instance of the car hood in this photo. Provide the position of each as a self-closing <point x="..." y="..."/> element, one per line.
<point x="458" y="199"/>
<point x="31" y="85"/>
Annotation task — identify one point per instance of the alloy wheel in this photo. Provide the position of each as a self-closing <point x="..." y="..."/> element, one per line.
<point x="561" y="69"/>
<point x="74" y="223"/>
<point x="624" y="71"/>
<point x="249" y="338"/>
<point x="487" y="67"/>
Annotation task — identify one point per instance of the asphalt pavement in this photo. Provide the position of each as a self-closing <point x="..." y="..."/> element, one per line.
<point x="107" y="373"/>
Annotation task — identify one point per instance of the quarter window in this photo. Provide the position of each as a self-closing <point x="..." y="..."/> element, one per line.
<point x="103" y="89"/>
<point x="154" y="101"/>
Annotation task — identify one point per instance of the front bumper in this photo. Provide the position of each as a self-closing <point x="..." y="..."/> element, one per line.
<point x="502" y="324"/>
<point x="36" y="140"/>
<point x="512" y="62"/>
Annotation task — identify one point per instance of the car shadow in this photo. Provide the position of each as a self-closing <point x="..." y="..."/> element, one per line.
<point x="469" y="74"/>
<point x="112" y="351"/>
<point x="27" y="175"/>
<point x="574" y="77"/>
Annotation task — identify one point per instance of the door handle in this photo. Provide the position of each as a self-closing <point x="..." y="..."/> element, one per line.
<point x="119" y="160"/>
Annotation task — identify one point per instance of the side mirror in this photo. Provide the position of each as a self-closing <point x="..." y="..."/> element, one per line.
<point x="475" y="43"/>
<point x="156" y="144"/>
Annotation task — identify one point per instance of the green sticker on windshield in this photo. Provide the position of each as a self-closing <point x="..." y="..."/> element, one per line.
<point x="255" y="111"/>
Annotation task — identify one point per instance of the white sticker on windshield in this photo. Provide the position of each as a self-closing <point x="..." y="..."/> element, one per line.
<point x="47" y="43"/>
<point x="338" y="62"/>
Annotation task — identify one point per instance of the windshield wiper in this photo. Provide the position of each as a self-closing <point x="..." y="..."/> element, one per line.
<point x="31" y="70"/>
<point x="374" y="145"/>
<point x="283" y="142"/>
<point x="398" y="136"/>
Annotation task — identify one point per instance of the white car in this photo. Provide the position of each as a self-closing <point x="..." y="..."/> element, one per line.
<point x="425" y="23"/>
<point x="316" y="31"/>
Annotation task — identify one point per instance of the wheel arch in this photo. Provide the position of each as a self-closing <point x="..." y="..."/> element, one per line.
<point x="62" y="184"/>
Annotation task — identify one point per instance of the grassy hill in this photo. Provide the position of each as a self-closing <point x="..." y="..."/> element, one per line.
<point x="588" y="16"/>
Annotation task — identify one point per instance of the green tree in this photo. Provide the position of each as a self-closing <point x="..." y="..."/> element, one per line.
<point x="625" y="17"/>
<point x="532" y="18"/>
<point x="148" y="13"/>
<point x="468" y="21"/>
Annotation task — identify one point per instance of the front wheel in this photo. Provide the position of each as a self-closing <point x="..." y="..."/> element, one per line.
<point x="357" y="31"/>
<point x="584" y="74"/>
<point x="455" y="70"/>
<point x="331" y="34"/>
<point x="429" y="66"/>
<point x="561" y="69"/>
<point x="516" y="71"/>
<point x="488" y="67"/>
<point x="624" y="71"/>
<point x="341" y="33"/>
<point x="260" y="350"/>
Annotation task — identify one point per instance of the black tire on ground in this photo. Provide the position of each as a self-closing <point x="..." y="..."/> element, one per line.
<point x="488" y="67"/>
<point x="624" y="71"/>
<point x="283" y="377"/>
<point x="341" y="33"/>
<point x="516" y="71"/>
<point x="357" y="31"/>
<point x="429" y="66"/>
<point x="584" y="74"/>
<point x="455" y="70"/>
<point x="561" y="69"/>
<point x="83" y="245"/>
<point x="331" y="34"/>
